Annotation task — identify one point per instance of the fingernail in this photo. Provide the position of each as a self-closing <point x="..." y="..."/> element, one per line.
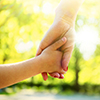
<point x="56" y="77"/>
<point x="61" y="77"/>
<point x="45" y="79"/>
<point x="66" y="69"/>
<point x="63" y="39"/>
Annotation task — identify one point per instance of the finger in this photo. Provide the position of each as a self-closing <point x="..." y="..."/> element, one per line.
<point x="45" y="76"/>
<point x="54" y="75"/>
<point x="58" y="44"/>
<point x="69" y="45"/>
<point x="57" y="75"/>
<point x="53" y="34"/>
<point x="39" y="51"/>
<point x="66" y="59"/>
<point x="61" y="76"/>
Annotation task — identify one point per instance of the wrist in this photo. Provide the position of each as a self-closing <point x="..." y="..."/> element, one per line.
<point x="64" y="19"/>
<point x="41" y="63"/>
<point x="68" y="9"/>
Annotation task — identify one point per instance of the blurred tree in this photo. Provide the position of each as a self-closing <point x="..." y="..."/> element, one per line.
<point x="22" y="26"/>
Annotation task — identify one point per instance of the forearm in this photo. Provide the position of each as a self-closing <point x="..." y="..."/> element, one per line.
<point x="14" y="73"/>
<point x="68" y="9"/>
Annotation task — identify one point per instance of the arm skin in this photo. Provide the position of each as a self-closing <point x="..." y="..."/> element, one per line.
<point x="68" y="9"/>
<point x="14" y="73"/>
<point x="63" y="25"/>
<point x="48" y="61"/>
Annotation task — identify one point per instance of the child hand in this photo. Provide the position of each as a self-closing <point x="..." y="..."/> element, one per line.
<point x="51" y="57"/>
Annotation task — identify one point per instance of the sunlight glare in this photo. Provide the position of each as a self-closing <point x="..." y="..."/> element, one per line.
<point x="23" y="47"/>
<point x="47" y="8"/>
<point x="87" y="39"/>
<point x="36" y="9"/>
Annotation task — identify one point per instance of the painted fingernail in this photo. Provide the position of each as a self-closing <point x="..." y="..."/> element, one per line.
<point x="56" y="77"/>
<point x="61" y="77"/>
<point x="45" y="79"/>
<point x="66" y="69"/>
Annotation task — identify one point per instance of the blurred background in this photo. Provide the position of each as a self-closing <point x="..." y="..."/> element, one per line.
<point x="23" y="24"/>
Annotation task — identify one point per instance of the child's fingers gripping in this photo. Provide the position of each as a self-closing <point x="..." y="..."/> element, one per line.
<point x="58" y="43"/>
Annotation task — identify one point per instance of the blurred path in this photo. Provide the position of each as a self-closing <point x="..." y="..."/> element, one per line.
<point x="30" y="95"/>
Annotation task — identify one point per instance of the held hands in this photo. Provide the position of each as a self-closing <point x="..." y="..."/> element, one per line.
<point x="51" y="57"/>
<point x="63" y="25"/>
<point x="57" y="31"/>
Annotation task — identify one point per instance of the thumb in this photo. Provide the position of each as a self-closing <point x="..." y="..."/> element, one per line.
<point x="58" y="44"/>
<point x="39" y="51"/>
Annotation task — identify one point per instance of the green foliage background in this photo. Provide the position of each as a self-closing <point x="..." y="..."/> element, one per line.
<point x="23" y="22"/>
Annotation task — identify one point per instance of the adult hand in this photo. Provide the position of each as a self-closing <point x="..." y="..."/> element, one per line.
<point x="59" y="29"/>
<point x="63" y="25"/>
